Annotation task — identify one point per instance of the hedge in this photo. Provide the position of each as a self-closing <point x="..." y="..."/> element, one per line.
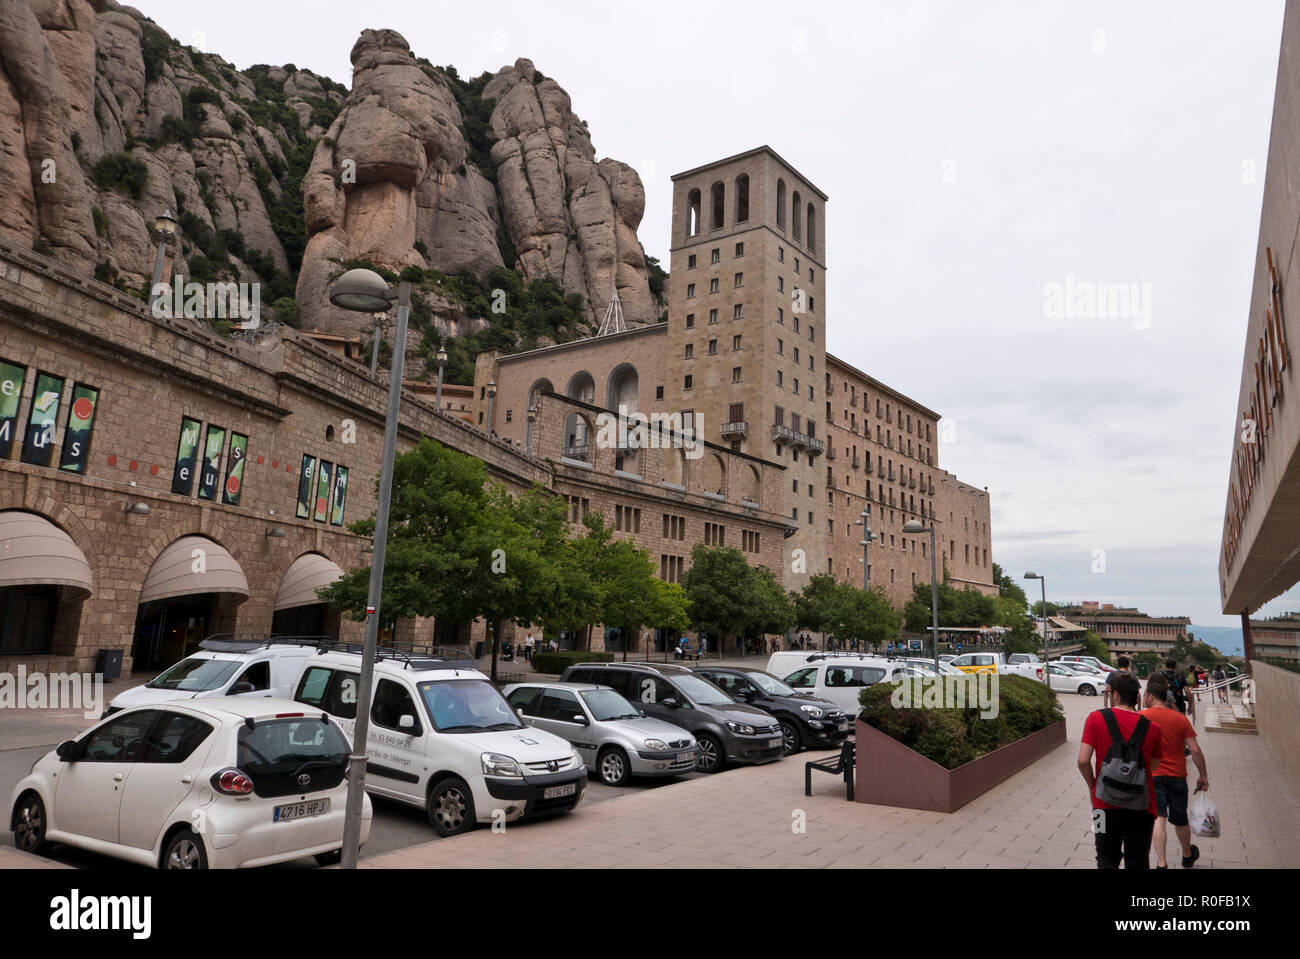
<point x="558" y="662"/>
<point x="952" y="737"/>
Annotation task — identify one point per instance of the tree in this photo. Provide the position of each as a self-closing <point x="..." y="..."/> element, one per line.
<point x="1038" y="608"/>
<point x="1094" y="645"/>
<point x="812" y="601"/>
<point x="1008" y="587"/>
<point x="773" y="611"/>
<point x="865" y="615"/>
<point x="728" y="597"/>
<point x="957" y="607"/>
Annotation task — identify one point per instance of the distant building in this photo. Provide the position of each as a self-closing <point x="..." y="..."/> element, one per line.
<point x="1126" y="630"/>
<point x="1277" y="638"/>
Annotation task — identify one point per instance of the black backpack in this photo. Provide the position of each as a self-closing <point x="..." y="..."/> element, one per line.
<point x="1176" y="690"/>
<point x="1123" y="782"/>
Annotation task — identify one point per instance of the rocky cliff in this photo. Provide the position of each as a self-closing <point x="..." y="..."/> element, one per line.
<point x="285" y="177"/>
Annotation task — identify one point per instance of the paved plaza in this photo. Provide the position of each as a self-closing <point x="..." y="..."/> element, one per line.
<point x="745" y="817"/>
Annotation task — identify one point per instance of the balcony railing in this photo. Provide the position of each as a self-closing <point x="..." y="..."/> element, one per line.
<point x="830" y="453"/>
<point x="856" y="461"/>
<point x="912" y="482"/>
<point x="802" y="441"/>
<point x="576" y="452"/>
<point x="814" y="446"/>
<point x="738" y="428"/>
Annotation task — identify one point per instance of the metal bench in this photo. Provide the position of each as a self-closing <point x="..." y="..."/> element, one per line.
<point x="840" y="765"/>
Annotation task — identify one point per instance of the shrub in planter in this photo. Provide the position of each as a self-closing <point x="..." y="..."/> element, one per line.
<point x="953" y="736"/>
<point x="558" y="662"/>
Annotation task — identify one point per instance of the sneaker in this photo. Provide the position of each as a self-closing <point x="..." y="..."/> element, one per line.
<point x="1188" y="860"/>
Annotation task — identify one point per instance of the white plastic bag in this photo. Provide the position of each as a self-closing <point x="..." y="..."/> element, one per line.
<point x="1203" y="817"/>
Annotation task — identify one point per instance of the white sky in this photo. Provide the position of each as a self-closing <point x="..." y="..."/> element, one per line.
<point x="973" y="154"/>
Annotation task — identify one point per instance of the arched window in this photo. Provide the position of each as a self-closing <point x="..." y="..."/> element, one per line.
<point x="812" y="228"/>
<point x="693" y="213"/>
<point x="797" y="213"/>
<point x="742" y="198"/>
<point x="719" y="204"/>
<point x="780" y="204"/>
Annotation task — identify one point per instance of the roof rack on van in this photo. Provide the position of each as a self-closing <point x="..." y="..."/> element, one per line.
<point x="244" y="642"/>
<point x="411" y="655"/>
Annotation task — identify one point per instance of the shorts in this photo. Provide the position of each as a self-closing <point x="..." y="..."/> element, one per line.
<point x="1171" y="799"/>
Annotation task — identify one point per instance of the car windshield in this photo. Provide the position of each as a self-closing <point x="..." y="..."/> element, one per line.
<point x="701" y="691"/>
<point x="196" y="675"/>
<point x="467" y="706"/>
<point x="771" y="685"/>
<point x="606" y="705"/>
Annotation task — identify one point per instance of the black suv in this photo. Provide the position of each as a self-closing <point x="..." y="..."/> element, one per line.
<point x="805" y="721"/>
<point x="725" y="729"/>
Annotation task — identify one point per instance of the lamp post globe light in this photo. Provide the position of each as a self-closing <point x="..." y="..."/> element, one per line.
<point x="916" y="526"/>
<point x="364" y="291"/>
<point x="1043" y="582"/>
<point x="442" y="365"/>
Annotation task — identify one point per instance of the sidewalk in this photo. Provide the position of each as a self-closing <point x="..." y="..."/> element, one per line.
<point x="743" y="818"/>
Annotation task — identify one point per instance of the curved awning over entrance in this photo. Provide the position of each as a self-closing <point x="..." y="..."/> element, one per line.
<point x="305" y="575"/>
<point x="33" y="551"/>
<point x="195" y="564"/>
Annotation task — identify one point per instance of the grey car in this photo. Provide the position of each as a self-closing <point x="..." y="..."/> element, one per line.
<point x="612" y="736"/>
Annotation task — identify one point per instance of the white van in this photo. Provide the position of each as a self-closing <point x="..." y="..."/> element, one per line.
<point x="444" y="739"/>
<point x="225" y="667"/>
<point x="841" y="678"/>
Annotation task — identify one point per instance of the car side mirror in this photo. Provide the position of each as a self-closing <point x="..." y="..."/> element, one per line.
<point x="670" y="702"/>
<point x="240" y="688"/>
<point x="69" y="751"/>
<point x="406" y="722"/>
<point x="581" y="720"/>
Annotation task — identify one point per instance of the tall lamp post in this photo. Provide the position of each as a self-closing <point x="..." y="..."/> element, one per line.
<point x="528" y="437"/>
<point x="442" y="365"/>
<point x="867" y="537"/>
<point x="164" y="228"/>
<point x="364" y="291"/>
<point x="492" y="398"/>
<point x="1043" y="582"/>
<point x="374" y="344"/>
<point x="916" y="526"/>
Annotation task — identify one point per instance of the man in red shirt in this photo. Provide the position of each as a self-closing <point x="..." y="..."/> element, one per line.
<point x="1120" y="832"/>
<point x="1171" y="775"/>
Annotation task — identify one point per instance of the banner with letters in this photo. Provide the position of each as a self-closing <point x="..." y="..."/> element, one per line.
<point x="12" y="378"/>
<point x="81" y="423"/>
<point x="210" y="469"/>
<point x="235" y="469"/>
<point x="305" y="486"/>
<point x="38" y="444"/>
<point x="340" y="495"/>
<point x="187" y="451"/>
<point x="323" y="491"/>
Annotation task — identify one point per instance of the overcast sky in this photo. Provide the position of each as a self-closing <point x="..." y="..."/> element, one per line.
<point x="989" y="165"/>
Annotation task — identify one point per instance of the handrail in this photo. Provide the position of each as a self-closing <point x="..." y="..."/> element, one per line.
<point x="1197" y="690"/>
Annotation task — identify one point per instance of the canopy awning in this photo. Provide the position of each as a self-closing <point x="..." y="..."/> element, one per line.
<point x="33" y="551"/>
<point x="305" y="575"/>
<point x="193" y="565"/>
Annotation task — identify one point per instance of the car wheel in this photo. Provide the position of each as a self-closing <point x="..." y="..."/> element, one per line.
<point x="712" y="758"/>
<point x="790" y="733"/>
<point x="613" y="766"/>
<point x="185" y="851"/>
<point x="332" y="858"/>
<point x="29" y="825"/>
<point x="1087" y="690"/>
<point x="451" y="807"/>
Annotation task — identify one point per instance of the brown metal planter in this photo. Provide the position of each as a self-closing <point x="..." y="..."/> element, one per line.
<point x="890" y="774"/>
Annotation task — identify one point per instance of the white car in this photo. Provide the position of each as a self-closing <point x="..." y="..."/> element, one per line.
<point x="213" y="784"/>
<point x="1067" y="680"/>
<point x="224" y="667"/>
<point x="443" y="738"/>
<point x="841" y="678"/>
<point x="1088" y="661"/>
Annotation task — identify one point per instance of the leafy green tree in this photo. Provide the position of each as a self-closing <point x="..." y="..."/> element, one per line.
<point x="1037" y="608"/>
<point x="1094" y="645"/>
<point x="864" y="615"/>
<point x="720" y="590"/>
<point x="812" y="601"/>
<point x="773" y="611"/>
<point x="957" y="607"/>
<point x="1008" y="587"/>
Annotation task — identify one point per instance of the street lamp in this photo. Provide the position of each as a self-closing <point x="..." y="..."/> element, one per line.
<point x="364" y="291"/>
<point x="442" y="365"/>
<point x="492" y="397"/>
<point x="532" y="421"/>
<point x="915" y="526"/>
<point x="374" y="344"/>
<point x="164" y="228"/>
<point x="867" y="538"/>
<point x="1043" y="582"/>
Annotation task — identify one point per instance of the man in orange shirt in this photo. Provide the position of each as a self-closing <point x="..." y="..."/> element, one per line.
<point x="1170" y="777"/>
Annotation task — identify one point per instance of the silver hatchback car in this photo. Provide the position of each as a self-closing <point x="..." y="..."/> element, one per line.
<point x="612" y="736"/>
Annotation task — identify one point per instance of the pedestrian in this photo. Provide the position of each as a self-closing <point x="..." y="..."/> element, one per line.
<point x="1219" y="676"/>
<point x="1122" y="663"/>
<point x="1170" y="778"/>
<point x="1121" y="831"/>
<point x="704" y="648"/>
<point x="1177" y="688"/>
<point x="529" y="643"/>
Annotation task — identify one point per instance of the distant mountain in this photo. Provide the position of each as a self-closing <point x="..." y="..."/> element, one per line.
<point x="1226" y="639"/>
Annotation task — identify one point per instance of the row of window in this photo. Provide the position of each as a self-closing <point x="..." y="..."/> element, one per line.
<point x="749" y="541"/>
<point x="674" y="527"/>
<point x="204" y="460"/>
<point x="578" y="507"/>
<point x="42" y="418"/>
<point x="627" y="519"/>
<point x="322" y="490"/>
<point x="715" y="534"/>
<point x="713" y="347"/>
<point x="672" y="568"/>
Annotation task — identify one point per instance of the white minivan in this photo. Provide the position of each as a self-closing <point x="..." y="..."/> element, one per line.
<point x="225" y="667"/>
<point x="842" y="678"/>
<point x="444" y="739"/>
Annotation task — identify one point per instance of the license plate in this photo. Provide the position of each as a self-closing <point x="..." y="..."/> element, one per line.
<point x="843" y="727"/>
<point x="683" y="757"/>
<point x="555" y="792"/>
<point x="776" y="742"/>
<point x="301" y="810"/>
